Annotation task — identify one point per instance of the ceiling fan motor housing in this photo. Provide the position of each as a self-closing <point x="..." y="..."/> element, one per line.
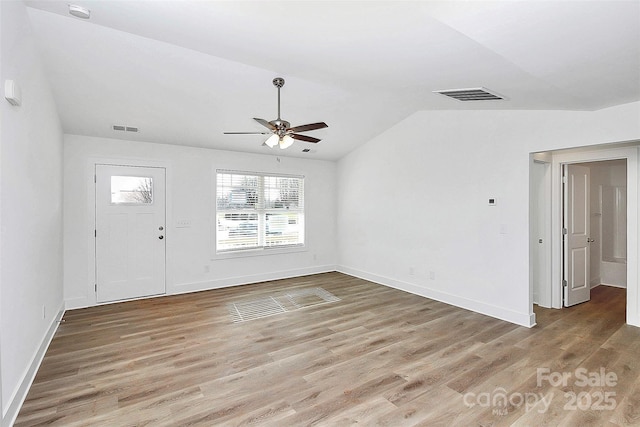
<point x="281" y="127"/>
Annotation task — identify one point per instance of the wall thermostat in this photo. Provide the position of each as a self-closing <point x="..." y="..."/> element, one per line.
<point x="492" y="201"/>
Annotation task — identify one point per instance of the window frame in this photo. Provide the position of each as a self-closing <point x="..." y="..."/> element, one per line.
<point x="261" y="210"/>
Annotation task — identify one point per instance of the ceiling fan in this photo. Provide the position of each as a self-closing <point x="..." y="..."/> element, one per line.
<point x="281" y="132"/>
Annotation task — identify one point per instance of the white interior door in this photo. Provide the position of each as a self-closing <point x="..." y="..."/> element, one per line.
<point x="577" y="286"/>
<point x="130" y="231"/>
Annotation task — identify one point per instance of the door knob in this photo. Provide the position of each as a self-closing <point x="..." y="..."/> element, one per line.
<point x="161" y="237"/>
<point x="590" y="240"/>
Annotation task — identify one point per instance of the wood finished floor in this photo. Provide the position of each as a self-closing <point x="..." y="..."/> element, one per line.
<point x="377" y="357"/>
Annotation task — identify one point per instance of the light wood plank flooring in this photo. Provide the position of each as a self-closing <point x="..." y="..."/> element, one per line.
<point x="377" y="357"/>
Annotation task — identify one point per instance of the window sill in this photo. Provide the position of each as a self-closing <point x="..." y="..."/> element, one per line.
<point x="257" y="252"/>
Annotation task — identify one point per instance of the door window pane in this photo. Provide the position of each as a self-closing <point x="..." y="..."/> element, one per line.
<point x="131" y="190"/>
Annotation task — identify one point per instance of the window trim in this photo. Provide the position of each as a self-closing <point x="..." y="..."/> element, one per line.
<point x="260" y="250"/>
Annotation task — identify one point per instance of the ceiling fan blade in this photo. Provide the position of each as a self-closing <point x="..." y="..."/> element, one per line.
<point x="265" y="123"/>
<point x="311" y="126"/>
<point x="304" y="138"/>
<point x="247" y="133"/>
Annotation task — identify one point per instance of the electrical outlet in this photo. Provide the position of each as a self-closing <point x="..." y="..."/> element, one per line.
<point x="411" y="271"/>
<point x="432" y="275"/>
<point x="44" y="311"/>
<point x="206" y="268"/>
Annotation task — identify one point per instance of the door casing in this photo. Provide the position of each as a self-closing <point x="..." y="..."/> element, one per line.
<point x="630" y="153"/>
<point x="90" y="299"/>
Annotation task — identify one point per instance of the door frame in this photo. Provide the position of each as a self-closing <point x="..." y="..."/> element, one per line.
<point x="91" y="224"/>
<point x="540" y="214"/>
<point x="561" y="158"/>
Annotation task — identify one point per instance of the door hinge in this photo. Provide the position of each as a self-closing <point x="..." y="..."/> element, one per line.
<point x="95" y="233"/>
<point x="564" y="179"/>
<point x="95" y="178"/>
<point x="95" y="288"/>
<point x="564" y="284"/>
<point x="564" y="231"/>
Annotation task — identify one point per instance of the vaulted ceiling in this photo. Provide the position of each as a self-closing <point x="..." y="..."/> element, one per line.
<point x="184" y="72"/>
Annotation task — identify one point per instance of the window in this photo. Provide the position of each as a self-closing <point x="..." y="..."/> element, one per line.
<point x="134" y="190"/>
<point x="258" y="211"/>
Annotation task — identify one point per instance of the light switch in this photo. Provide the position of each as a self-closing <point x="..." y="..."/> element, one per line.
<point x="183" y="223"/>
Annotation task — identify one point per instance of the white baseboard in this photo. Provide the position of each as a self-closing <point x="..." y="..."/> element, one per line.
<point x="74" y="303"/>
<point x="532" y="321"/>
<point x="183" y="288"/>
<point x="246" y="280"/>
<point x="18" y="397"/>
<point x="633" y="319"/>
<point x="523" y="319"/>
<point x="613" y="286"/>
<point x="527" y="320"/>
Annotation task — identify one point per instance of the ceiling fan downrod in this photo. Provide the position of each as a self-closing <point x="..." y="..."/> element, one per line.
<point x="278" y="82"/>
<point x="281" y="125"/>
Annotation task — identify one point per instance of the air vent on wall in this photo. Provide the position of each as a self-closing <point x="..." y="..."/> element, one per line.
<point x="123" y="128"/>
<point x="471" y="94"/>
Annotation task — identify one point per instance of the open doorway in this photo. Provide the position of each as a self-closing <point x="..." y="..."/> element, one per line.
<point x="594" y="215"/>
<point x="615" y="258"/>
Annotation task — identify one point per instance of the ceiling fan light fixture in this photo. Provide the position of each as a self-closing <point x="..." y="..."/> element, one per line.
<point x="272" y="141"/>
<point x="286" y="142"/>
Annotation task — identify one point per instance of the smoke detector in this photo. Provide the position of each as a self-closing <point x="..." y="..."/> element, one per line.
<point x="79" y="11"/>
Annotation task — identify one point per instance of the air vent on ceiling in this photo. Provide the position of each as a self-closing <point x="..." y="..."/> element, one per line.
<point x="306" y="150"/>
<point x="471" y="94"/>
<point x="123" y="128"/>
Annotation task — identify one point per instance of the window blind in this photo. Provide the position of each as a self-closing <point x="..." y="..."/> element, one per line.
<point x="258" y="211"/>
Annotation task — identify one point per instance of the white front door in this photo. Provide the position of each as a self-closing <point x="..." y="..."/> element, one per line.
<point x="130" y="232"/>
<point x="577" y="286"/>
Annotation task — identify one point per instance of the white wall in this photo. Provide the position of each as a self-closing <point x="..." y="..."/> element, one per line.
<point x="614" y="229"/>
<point x="31" y="211"/>
<point x="610" y="173"/>
<point x="414" y="200"/>
<point x="190" y="196"/>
